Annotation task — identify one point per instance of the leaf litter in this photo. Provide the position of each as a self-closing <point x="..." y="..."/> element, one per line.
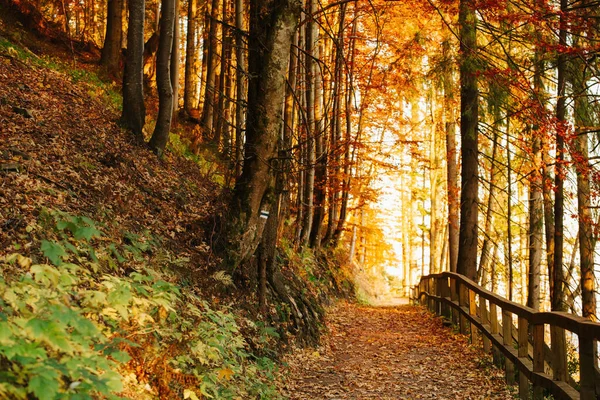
<point x="391" y="353"/>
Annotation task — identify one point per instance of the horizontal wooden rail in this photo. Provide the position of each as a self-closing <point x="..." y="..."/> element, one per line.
<point x="542" y="365"/>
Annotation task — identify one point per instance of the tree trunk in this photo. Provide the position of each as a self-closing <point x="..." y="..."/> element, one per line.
<point x="320" y="142"/>
<point x="309" y="95"/>
<point x="558" y="303"/>
<point x="488" y="243"/>
<point x="175" y="55"/>
<point x="509" y="237"/>
<point x="240" y="78"/>
<point x="272" y="25"/>
<point x="208" y="108"/>
<point x="134" y="110"/>
<point x="349" y="149"/>
<point x="469" y="107"/>
<point x="190" y="98"/>
<point x="160" y="137"/>
<point x="111" y="52"/>
<point x="451" y="163"/>
<point x="587" y="240"/>
<point x="336" y="127"/>
<point x="221" y="118"/>
<point x="536" y="200"/>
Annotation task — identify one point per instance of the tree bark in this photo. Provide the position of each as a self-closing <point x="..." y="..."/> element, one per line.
<point x="320" y="142"/>
<point x="536" y="199"/>
<point x="111" y="52"/>
<point x="240" y="78"/>
<point x="175" y="55"/>
<point x="160" y="137"/>
<point x="134" y="110"/>
<point x="272" y="25"/>
<point x="336" y="127"/>
<point x="469" y="108"/>
<point x="208" y="108"/>
<point x="587" y="240"/>
<point x="558" y="303"/>
<point x="487" y="247"/>
<point x="190" y="98"/>
<point x="349" y="149"/>
<point x="309" y="95"/>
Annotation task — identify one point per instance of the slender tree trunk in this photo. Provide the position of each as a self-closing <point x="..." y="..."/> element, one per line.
<point x="349" y="149"/>
<point x="134" y="110"/>
<point x="111" y="52"/>
<point x="467" y="250"/>
<point x="336" y="127"/>
<point x="453" y="191"/>
<point x="240" y="74"/>
<point x="190" y="99"/>
<point x="160" y="137"/>
<point x="320" y="142"/>
<point x="309" y="94"/>
<point x="558" y="338"/>
<point x="289" y="117"/>
<point x="222" y="121"/>
<point x="272" y="26"/>
<point x="487" y="247"/>
<point x="536" y="200"/>
<point x="587" y="240"/>
<point x="509" y="209"/>
<point x="208" y="108"/>
<point x="558" y="299"/>
<point x="174" y="68"/>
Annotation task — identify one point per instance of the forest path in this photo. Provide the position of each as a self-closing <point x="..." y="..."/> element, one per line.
<point x="391" y="353"/>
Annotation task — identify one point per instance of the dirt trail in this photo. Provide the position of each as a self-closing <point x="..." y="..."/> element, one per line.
<point x="392" y="353"/>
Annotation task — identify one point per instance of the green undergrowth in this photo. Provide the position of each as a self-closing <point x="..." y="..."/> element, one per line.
<point x="96" y="87"/>
<point x="325" y="270"/>
<point x="207" y="158"/>
<point x="83" y="317"/>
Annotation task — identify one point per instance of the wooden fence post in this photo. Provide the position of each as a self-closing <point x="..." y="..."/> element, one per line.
<point x="473" y="313"/>
<point x="523" y="353"/>
<point x="587" y="367"/>
<point x="495" y="329"/>
<point x="454" y="296"/>
<point x="464" y="303"/>
<point x="507" y="340"/>
<point x="483" y="313"/>
<point x="538" y="357"/>
<point x="559" y="353"/>
<point x="445" y="295"/>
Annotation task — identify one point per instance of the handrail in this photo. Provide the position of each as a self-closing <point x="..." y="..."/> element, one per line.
<point x="457" y="297"/>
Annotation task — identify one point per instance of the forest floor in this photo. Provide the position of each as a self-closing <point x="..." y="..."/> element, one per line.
<point x="392" y="353"/>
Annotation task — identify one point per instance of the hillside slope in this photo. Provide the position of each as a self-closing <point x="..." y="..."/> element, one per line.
<point x="62" y="149"/>
<point x="107" y="278"/>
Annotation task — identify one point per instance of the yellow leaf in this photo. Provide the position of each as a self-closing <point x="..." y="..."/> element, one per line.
<point x="226" y="373"/>
<point x="189" y="394"/>
<point x="24" y="262"/>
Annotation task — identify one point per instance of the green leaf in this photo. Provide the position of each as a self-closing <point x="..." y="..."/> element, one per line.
<point x="113" y="381"/>
<point x="45" y="274"/>
<point x="64" y="224"/>
<point x="51" y="333"/>
<point x="94" y="298"/>
<point x="44" y="383"/>
<point x="70" y="247"/>
<point x="53" y="251"/>
<point x="121" y="295"/>
<point x="120" y="356"/>
<point x="116" y="253"/>
<point x="6" y="334"/>
<point x="86" y="232"/>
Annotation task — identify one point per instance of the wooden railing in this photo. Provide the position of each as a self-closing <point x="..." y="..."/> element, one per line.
<point x="490" y="317"/>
